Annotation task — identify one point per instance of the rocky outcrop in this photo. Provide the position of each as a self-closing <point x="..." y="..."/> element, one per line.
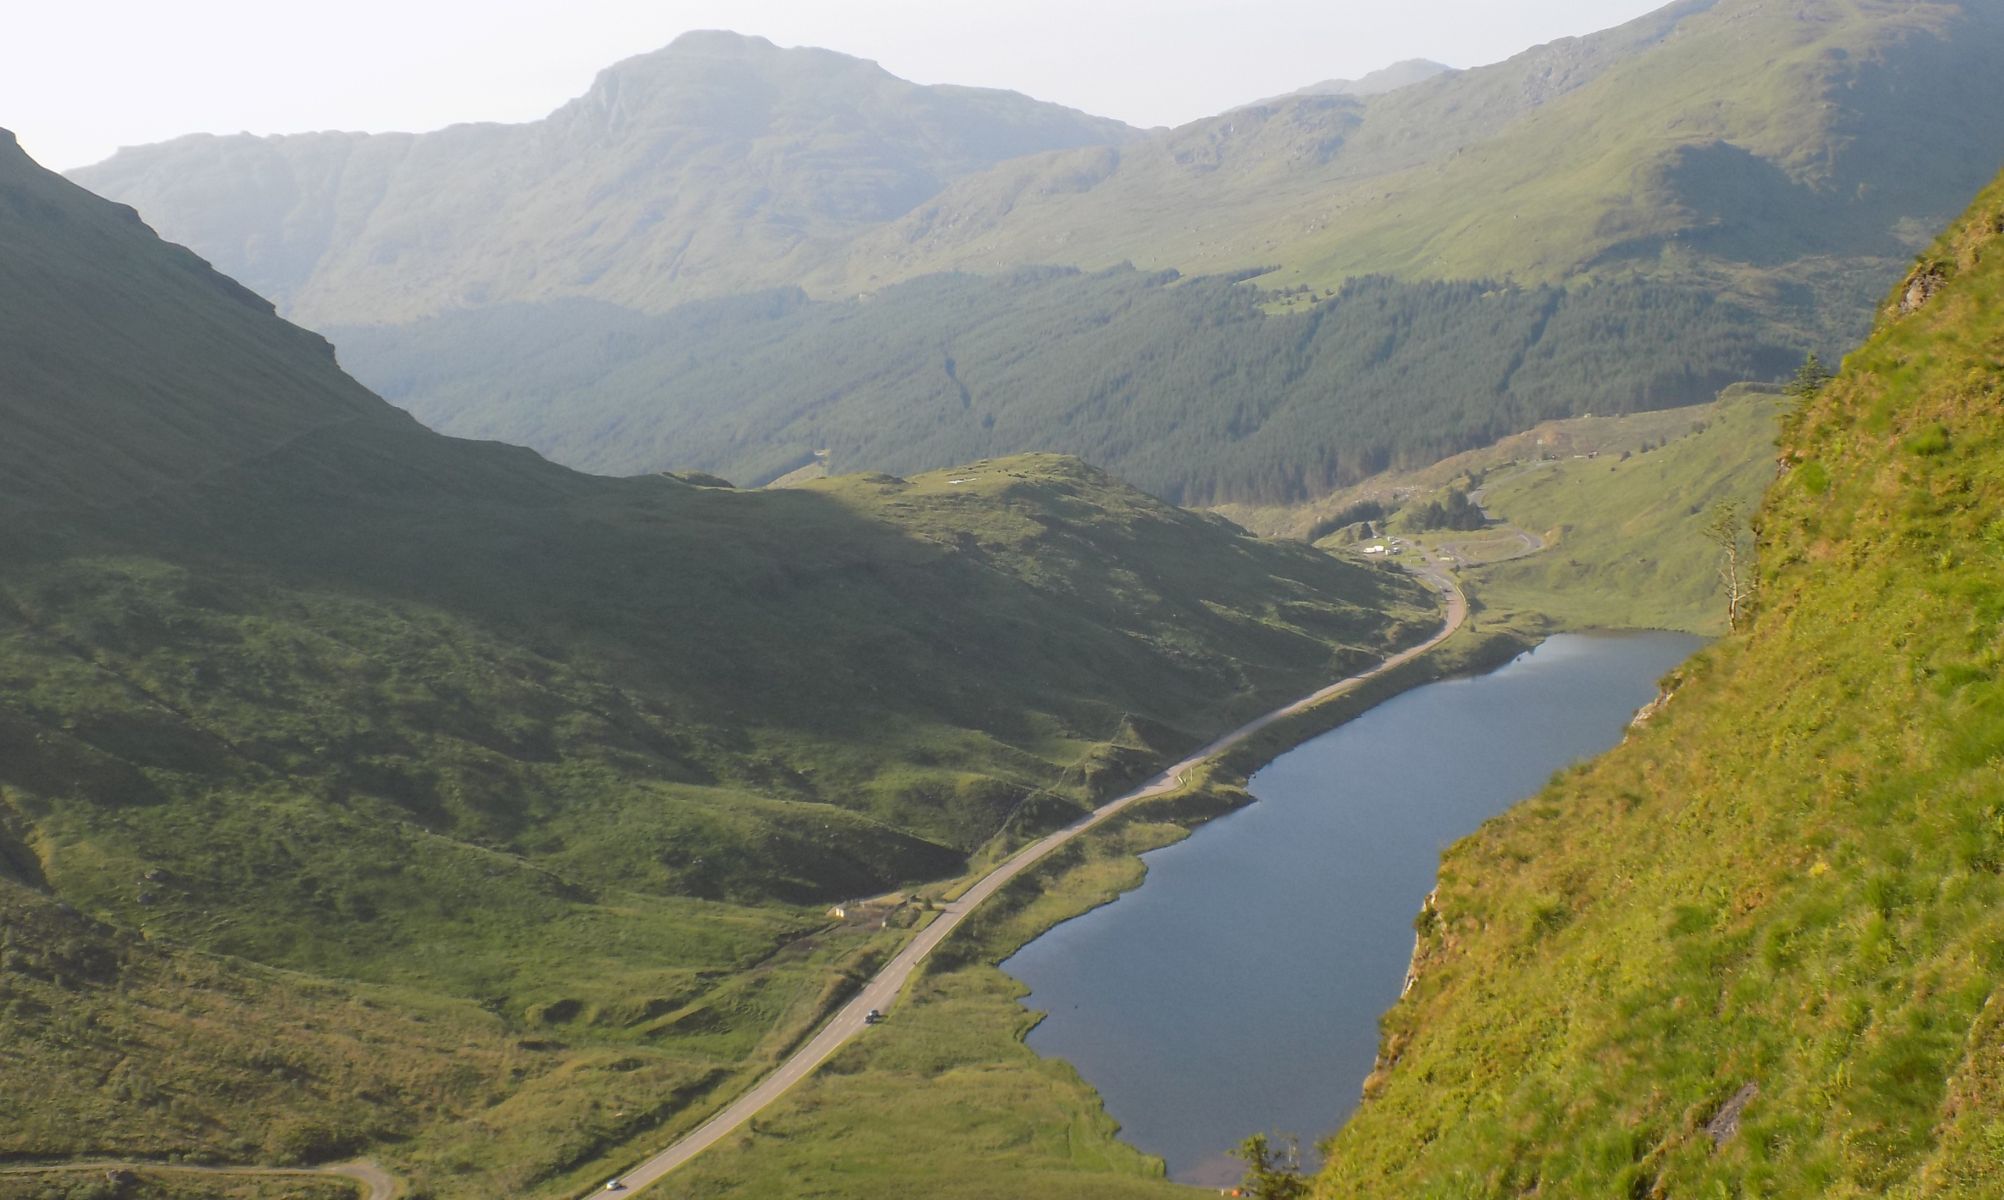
<point x="1649" y="711"/>
<point x="1726" y="1122"/>
<point x="1920" y="288"/>
<point x="1428" y="941"/>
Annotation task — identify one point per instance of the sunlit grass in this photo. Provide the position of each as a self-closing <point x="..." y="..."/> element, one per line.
<point x="1791" y="878"/>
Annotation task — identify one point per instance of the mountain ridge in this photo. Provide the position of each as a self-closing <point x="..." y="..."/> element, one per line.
<point x="717" y="154"/>
<point x="1411" y="183"/>
<point x="1723" y="141"/>
<point x="1404" y="73"/>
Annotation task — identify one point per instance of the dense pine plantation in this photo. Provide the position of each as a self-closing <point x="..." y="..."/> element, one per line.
<point x="1189" y="388"/>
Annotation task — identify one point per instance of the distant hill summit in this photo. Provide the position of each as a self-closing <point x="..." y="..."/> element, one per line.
<point x="1377" y="83"/>
<point x="717" y="161"/>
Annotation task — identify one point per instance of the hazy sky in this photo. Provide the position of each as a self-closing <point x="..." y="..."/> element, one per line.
<point x="79" y="79"/>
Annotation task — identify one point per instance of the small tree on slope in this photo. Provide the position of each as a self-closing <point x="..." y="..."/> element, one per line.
<point x="1727" y="531"/>
<point x="1271" y="1174"/>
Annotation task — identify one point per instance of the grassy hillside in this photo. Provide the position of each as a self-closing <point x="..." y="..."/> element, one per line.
<point x="1548" y="441"/>
<point x="1624" y="531"/>
<point x="1598" y="520"/>
<point x="1756" y="950"/>
<point x="310" y="709"/>
<point x="162" y="1045"/>
<point x="1190" y="388"/>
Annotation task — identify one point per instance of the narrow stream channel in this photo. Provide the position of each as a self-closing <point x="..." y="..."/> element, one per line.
<point x="1239" y="988"/>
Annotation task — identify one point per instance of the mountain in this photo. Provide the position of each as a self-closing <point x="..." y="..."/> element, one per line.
<point x="1734" y="165"/>
<point x="716" y="162"/>
<point x="1789" y="154"/>
<point x="1753" y="145"/>
<point x="495" y="808"/>
<point x="1377" y="83"/>
<point x="1756" y="948"/>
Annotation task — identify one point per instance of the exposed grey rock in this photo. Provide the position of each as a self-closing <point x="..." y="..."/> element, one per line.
<point x="1726" y="1122"/>
<point x="1921" y="287"/>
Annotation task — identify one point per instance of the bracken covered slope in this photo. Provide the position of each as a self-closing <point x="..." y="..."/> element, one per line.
<point x="1756" y="951"/>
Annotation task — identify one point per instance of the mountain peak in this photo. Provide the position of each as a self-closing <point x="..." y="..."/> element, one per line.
<point x="726" y="51"/>
<point x="1386" y="79"/>
<point x="1400" y="74"/>
<point x="716" y="76"/>
<point x="13" y="156"/>
<point x="717" y="161"/>
<point x="718" y="41"/>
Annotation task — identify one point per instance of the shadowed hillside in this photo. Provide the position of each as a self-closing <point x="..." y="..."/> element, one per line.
<point x="1189" y="388"/>
<point x="571" y="764"/>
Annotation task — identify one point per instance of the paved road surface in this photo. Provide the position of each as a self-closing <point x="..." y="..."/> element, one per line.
<point x="882" y="990"/>
<point x="1457" y="550"/>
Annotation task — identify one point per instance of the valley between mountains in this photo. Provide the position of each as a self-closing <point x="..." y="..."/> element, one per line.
<point x="515" y="639"/>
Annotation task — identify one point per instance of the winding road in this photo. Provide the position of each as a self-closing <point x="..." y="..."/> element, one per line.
<point x="883" y="989"/>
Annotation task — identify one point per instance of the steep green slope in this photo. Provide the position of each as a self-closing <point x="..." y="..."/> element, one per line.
<point x="1187" y="387"/>
<point x="716" y="163"/>
<point x="571" y="763"/>
<point x="1756" y="950"/>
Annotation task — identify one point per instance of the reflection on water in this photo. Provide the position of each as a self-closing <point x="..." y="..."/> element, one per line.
<point x="1239" y="988"/>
